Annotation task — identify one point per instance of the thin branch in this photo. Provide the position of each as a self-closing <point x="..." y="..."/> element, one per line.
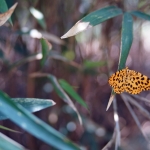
<point x="112" y="96"/>
<point x="117" y="127"/>
<point x="142" y="98"/>
<point x="110" y="143"/>
<point x="142" y="109"/>
<point x="144" y="6"/>
<point x="116" y="134"/>
<point x="133" y="115"/>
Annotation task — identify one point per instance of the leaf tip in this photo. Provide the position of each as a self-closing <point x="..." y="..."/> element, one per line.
<point x="53" y="103"/>
<point x="110" y="101"/>
<point x="78" y="27"/>
<point x="13" y="7"/>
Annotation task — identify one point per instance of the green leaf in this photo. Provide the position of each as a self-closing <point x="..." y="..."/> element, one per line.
<point x="4" y="8"/>
<point x="45" y="50"/>
<point x="93" y="64"/>
<point x="102" y="15"/>
<point x="69" y="54"/>
<point x="93" y="19"/>
<point x="126" y="42"/>
<point x="90" y="67"/>
<point x="39" y="17"/>
<point x="33" y="125"/>
<point x="68" y="88"/>
<point x="31" y="104"/>
<point x="140" y="15"/>
<point x="8" y="144"/>
<point x="8" y="129"/>
<point x="61" y="93"/>
<point x="126" y="39"/>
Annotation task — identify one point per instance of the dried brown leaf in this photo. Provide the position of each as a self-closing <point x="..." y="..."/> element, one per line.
<point x="112" y="96"/>
<point x="5" y="16"/>
<point x="77" y="28"/>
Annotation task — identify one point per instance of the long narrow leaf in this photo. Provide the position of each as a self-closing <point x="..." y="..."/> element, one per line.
<point x="6" y="15"/>
<point x="93" y="19"/>
<point x="63" y="95"/>
<point x="8" y="129"/>
<point x="126" y="39"/>
<point x="4" y="8"/>
<point x="45" y="50"/>
<point x="68" y="88"/>
<point x="140" y="15"/>
<point x="8" y="144"/>
<point x="33" y="125"/>
<point x="126" y="42"/>
<point x="31" y="104"/>
<point x="102" y="15"/>
<point x="112" y="96"/>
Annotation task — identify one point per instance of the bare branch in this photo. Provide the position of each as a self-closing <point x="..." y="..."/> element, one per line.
<point x="142" y="98"/>
<point x="116" y="134"/>
<point x="117" y="127"/>
<point x="110" y="143"/>
<point x="124" y="97"/>
<point x="142" y="109"/>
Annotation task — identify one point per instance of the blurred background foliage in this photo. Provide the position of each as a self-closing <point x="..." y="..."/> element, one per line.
<point x="82" y="61"/>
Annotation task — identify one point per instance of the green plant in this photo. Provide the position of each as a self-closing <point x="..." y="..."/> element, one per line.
<point x="18" y="109"/>
<point x="96" y="18"/>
